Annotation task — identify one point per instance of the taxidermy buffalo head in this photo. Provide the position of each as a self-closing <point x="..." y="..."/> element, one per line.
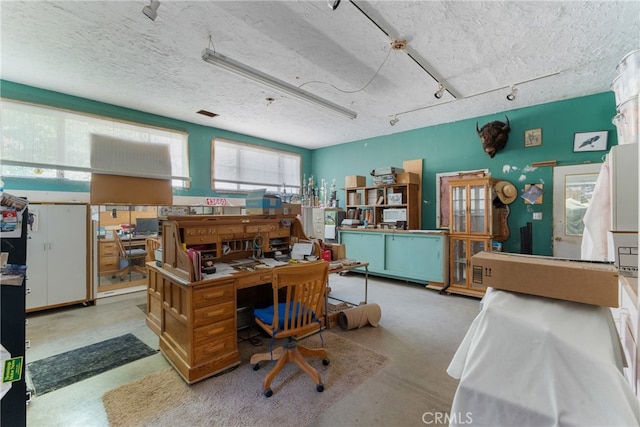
<point x="494" y="136"/>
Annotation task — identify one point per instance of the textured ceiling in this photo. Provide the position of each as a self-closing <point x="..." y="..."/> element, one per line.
<point x="110" y="52"/>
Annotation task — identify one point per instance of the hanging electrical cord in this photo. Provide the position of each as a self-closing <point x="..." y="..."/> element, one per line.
<point x="353" y="91"/>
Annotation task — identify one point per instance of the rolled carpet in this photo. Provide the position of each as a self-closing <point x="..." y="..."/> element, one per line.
<point x="357" y="317"/>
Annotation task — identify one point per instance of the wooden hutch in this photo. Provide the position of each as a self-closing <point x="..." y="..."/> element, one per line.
<point x="471" y="229"/>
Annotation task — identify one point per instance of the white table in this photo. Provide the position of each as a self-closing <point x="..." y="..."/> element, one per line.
<point x="530" y="360"/>
<point x="349" y="267"/>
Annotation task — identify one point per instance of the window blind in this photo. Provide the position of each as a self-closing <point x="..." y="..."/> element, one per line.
<point x="40" y="141"/>
<point x="238" y="166"/>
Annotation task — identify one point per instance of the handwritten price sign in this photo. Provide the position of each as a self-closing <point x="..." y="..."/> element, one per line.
<point x="216" y="201"/>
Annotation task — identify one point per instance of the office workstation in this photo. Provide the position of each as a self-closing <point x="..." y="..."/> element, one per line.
<point x="397" y="168"/>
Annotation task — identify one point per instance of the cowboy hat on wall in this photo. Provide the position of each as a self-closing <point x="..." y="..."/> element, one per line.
<point x="506" y="192"/>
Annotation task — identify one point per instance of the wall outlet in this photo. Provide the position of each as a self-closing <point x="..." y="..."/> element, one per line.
<point x="537" y="215"/>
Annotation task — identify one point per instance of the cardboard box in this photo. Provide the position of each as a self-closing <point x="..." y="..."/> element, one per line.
<point x="353" y="181"/>
<point x="333" y="311"/>
<point x="407" y="178"/>
<point x="338" y="251"/>
<point x="259" y="203"/>
<point x="572" y="280"/>
<point x="107" y="189"/>
<point x="355" y="199"/>
<point x="292" y="208"/>
<point x="624" y="246"/>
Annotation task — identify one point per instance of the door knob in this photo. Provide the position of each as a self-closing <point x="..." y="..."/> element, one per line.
<point x="558" y="239"/>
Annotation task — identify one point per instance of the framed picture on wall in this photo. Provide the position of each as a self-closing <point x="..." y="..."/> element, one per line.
<point x="533" y="137"/>
<point x="590" y="141"/>
<point x="532" y="194"/>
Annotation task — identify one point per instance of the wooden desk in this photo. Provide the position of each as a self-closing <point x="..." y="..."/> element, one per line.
<point x="109" y="254"/>
<point x="197" y="321"/>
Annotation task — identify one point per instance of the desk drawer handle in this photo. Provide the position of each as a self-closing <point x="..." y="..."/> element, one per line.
<point x="214" y="348"/>
<point x="214" y="313"/>
<point x="213" y="295"/>
<point x="215" y="331"/>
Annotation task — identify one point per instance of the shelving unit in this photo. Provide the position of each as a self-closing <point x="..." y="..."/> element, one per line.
<point x="369" y="203"/>
<point x="471" y="229"/>
<point x="13" y="405"/>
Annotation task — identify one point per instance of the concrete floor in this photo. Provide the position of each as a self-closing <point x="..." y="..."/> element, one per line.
<point x="420" y="331"/>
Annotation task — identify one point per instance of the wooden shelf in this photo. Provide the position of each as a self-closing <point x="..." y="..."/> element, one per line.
<point x="377" y="200"/>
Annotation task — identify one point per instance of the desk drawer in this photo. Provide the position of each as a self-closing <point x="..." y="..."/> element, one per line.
<point x="200" y="239"/>
<point x="283" y="232"/>
<point x="262" y="228"/>
<point x="230" y="229"/>
<point x="215" y="313"/>
<point x="216" y="330"/>
<point x="214" y="348"/>
<point x="107" y="264"/>
<point x="108" y="249"/>
<point x="252" y="279"/>
<point x="212" y="295"/>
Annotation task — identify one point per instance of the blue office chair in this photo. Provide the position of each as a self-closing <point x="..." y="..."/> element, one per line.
<point x="297" y="311"/>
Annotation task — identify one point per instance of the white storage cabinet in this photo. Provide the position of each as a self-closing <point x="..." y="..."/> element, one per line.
<point x="57" y="256"/>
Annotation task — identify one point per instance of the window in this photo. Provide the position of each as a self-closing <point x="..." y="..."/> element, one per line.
<point x="241" y="167"/>
<point x="36" y="136"/>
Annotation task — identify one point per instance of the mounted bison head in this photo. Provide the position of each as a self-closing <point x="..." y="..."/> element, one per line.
<point x="494" y="136"/>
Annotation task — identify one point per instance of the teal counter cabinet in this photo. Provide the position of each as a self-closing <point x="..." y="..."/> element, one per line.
<point x="416" y="256"/>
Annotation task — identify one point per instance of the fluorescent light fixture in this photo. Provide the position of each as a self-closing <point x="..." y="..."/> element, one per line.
<point x="229" y="64"/>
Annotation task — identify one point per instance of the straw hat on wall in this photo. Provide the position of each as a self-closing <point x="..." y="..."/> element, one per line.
<point x="506" y="192"/>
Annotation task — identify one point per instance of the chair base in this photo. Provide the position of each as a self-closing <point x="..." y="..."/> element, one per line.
<point x="130" y="268"/>
<point x="290" y="353"/>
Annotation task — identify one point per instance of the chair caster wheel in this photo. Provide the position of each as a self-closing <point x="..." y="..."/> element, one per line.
<point x="325" y="362"/>
<point x="268" y="392"/>
<point x="256" y="367"/>
<point x="320" y="388"/>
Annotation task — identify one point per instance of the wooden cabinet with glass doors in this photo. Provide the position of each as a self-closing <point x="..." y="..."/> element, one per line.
<point x="471" y="229"/>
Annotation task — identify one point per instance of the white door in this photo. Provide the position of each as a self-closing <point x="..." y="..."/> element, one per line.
<point x="37" y="253"/>
<point x="572" y="190"/>
<point x="67" y="263"/>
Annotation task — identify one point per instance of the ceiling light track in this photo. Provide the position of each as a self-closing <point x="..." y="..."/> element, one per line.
<point x="435" y="76"/>
<point x="514" y="91"/>
<point x="370" y="18"/>
<point x="240" y="69"/>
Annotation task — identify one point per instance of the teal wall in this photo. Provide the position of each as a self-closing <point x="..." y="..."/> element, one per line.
<point x="445" y="148"/>
<point x="199" y="140"/>
<point x="455" y="146"/>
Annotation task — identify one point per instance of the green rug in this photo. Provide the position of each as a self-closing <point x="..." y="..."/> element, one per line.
<point x="64" y="369"/>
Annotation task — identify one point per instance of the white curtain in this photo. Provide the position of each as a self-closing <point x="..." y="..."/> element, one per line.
<point x="597" y="219"/>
